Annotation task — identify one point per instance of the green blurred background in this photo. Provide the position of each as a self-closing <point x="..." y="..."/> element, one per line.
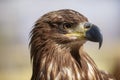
<point x="18" y="16"/>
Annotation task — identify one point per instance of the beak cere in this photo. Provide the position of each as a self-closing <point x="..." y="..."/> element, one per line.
<point x="93" y="34"/>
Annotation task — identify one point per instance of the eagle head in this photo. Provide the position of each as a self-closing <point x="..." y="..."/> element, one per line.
<point x="68" y="27"/>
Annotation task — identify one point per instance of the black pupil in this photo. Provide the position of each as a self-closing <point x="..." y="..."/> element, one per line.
<point x="67" y="25"/>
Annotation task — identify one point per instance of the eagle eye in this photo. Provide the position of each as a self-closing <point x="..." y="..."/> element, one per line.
<point x="67" y="25"/>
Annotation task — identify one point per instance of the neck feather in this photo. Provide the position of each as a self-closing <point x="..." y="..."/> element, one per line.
<point x="50" y="59"/>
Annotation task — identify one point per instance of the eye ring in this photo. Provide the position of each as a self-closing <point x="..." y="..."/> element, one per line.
<point x="67" y="25"/>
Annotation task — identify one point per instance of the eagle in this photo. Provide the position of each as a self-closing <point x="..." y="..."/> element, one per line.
<point x="56" y="47"/>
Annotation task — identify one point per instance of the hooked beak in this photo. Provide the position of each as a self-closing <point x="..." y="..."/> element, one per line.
<point x="93" y="34"/>
<point x="87" y="31"/>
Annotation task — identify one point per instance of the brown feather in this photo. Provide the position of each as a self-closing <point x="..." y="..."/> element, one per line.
<point x="56" y="57"/>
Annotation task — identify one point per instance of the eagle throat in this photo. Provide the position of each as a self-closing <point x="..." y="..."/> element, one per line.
<point x="61" y="58"/>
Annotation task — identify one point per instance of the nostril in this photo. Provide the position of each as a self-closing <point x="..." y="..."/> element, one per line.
<point x="87" y="25"/>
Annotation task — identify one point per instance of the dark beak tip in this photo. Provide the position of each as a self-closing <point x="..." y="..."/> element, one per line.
<point x="100" y="40"/>
<point x="100" y="44"/>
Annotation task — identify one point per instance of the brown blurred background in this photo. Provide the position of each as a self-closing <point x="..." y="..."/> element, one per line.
<point x="18" y="16"/>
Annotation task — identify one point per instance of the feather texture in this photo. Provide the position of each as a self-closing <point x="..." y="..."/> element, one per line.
<point x="54" y="56"/>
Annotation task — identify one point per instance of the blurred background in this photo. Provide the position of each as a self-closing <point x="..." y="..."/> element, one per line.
<point x="18" y="16"/>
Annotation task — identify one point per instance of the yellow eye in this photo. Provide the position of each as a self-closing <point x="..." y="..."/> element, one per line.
<point x="67" y="25"/>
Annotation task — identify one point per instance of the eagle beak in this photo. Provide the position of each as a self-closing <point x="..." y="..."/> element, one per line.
<point x="93" y="33"/>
